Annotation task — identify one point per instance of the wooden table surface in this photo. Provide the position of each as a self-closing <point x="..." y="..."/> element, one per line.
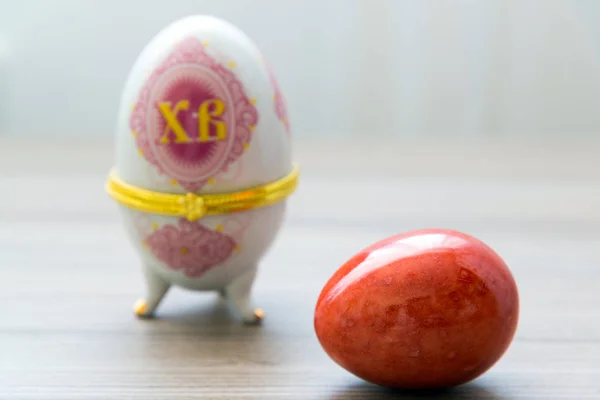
<point x="69" y="276"/>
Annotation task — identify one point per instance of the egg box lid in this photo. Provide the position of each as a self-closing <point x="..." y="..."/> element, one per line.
<point x="201" y="112"/>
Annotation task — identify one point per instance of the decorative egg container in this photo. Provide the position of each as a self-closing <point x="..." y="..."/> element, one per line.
<point x="203" y="162"/>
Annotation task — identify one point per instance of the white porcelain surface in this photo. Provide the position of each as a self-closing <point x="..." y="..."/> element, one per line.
<point x="196" y="59"/>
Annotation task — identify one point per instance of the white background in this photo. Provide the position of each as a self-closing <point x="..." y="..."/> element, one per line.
<point x="463" y="69"/>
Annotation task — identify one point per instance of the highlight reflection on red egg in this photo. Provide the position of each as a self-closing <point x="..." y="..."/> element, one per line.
<point x="424" y="309"/>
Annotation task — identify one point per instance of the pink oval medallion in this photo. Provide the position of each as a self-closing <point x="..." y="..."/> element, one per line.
<point x="192" y="119"/>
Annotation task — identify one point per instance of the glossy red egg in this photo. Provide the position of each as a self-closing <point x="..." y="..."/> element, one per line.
<point x="424" y="309"/>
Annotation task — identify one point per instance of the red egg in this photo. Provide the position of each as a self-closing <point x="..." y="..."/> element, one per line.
<point x="424" y="309"/>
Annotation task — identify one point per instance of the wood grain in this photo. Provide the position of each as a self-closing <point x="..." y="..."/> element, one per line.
<point x="68" y="275"/>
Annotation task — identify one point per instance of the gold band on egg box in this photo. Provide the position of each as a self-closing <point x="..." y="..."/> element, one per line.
<point x="194" y="206"/>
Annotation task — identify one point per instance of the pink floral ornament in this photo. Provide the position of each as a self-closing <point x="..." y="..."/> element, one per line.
<point x="190" y="247"/>
<point x="280" y="106"/>
<point x="169" y="106"/>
